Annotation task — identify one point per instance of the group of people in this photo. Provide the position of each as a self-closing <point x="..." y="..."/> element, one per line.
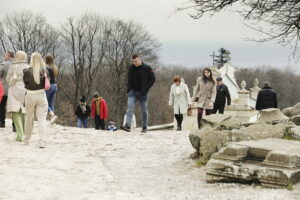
<point x="25" y="95"/>
<point x="98" y="112"/>
<point x="211" y="96"/>
<point x="25" y="91"/>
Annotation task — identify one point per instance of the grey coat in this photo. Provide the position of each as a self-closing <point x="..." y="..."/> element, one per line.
<point x="181" y="99"/>
<point x="4" y="66"/>
<point x="206" y="93"/>
<point x="16" y="92"/>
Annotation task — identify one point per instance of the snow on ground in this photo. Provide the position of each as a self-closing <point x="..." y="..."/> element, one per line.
<point x="85" y="164"/>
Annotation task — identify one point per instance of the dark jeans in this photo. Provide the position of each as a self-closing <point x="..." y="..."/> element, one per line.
<point x="200" y="113"/>
<point x="218" y="107"/>
<point x="3" y="110"/>
<point x="179" y="119"/>
<point x="133" y="97"/>
<point x="99" y="123"/>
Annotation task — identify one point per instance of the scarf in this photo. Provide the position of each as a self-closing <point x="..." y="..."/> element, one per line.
<point x="83" y="107"/>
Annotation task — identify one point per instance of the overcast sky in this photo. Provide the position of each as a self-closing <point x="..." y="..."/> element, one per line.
<point x="185" y="41"/>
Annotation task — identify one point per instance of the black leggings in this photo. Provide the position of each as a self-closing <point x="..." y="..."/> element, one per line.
<point x="3" y="110"/>
<point x="200" y="113"/>
<point x="179" y="119"/>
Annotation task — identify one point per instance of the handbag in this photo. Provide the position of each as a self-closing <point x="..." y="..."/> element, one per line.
<point x="47" y="82"/>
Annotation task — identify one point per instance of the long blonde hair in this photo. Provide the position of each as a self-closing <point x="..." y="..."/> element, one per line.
<point x="20" y="56"/>
<point x="50" y="61"/>
<point x="36" y="62"/>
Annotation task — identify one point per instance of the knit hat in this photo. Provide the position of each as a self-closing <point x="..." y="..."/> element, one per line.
<point x="96" y="95"/>
<point x="219" y="79"/>
<point x="82" y="99"/>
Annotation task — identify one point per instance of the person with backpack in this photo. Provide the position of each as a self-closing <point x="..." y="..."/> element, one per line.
<point x="99" y="111"/>
<point x="82" y="112"/>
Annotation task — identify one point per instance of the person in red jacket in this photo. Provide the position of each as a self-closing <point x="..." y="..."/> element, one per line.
<point x="99" y="111"/>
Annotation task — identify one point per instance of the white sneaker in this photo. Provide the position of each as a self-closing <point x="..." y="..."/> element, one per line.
<point x="53" y="119"/>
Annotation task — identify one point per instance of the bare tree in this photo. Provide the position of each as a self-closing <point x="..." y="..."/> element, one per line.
<point x="282" y="17"/>
<point x="124" y="39"/>
<point x="85" y="45"/>
<point x="28" y="32"/>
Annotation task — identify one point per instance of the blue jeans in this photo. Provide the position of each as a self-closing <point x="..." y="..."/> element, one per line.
<point x="133" y="97"/>
<point x="83" y="122"/>
<point x="51" y="96"/>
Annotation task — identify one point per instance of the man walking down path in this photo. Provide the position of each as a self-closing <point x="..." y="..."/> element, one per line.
<point x="140" y="79"/>
<point x="222" y="95"/>
<point x="4" y="66"/>
<point x="266" y="98"/>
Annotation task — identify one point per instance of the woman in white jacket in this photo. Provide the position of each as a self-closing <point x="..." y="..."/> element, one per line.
<point x="180" y="99"/>
<point x="16" y="92"/>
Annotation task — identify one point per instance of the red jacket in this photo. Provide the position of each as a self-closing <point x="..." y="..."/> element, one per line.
<point x="1" y="91"/>
<point x="103" y="109"/>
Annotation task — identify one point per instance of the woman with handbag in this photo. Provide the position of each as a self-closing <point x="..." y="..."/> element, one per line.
<point x="16" y="92"/>
<point x="204" y="94"/>
<point x="36" y="81"/>
<point x="53" y="72"/>
<point x="180" y="99"/>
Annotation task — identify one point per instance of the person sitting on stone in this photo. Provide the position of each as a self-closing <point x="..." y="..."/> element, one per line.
<point x="266" y="98"/>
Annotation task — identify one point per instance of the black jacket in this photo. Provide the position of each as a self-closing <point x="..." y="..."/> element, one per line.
<point x="51" y="75"/>
<point x="29" y="80"/>
<point x="81" y="114"/>
<point x="222" y="95"/>
<point x="148" y="78"/>
<point x="266" y="98"/>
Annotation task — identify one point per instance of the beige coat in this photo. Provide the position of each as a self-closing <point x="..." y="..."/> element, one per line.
<point x="16" y="92"/>
<point x="180" y="99"/>
<point x="206" y="93"/>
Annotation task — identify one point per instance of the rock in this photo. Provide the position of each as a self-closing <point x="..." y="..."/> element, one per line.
<point x="194" y="137"/>
<point x="260" y="131"/>
<point x="235" y="123"/>
<point x="208" y="141"/>
<point x="272" y="162"/>
<point x="214" y="121"/>
<point x="292" y="111"/>
<point x="295" y="132"/>
<point x="295" y="119"/>
<point x="287" y="111"/>
<point x="272" y="116"/>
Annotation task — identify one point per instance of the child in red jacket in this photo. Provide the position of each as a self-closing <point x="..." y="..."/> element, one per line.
<point x="99" y="111"/>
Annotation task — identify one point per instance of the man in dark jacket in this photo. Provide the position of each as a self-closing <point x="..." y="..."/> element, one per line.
<point x="266" y="98"/>
<point x="222" y="95"/>
<point x="140" y="79"/>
